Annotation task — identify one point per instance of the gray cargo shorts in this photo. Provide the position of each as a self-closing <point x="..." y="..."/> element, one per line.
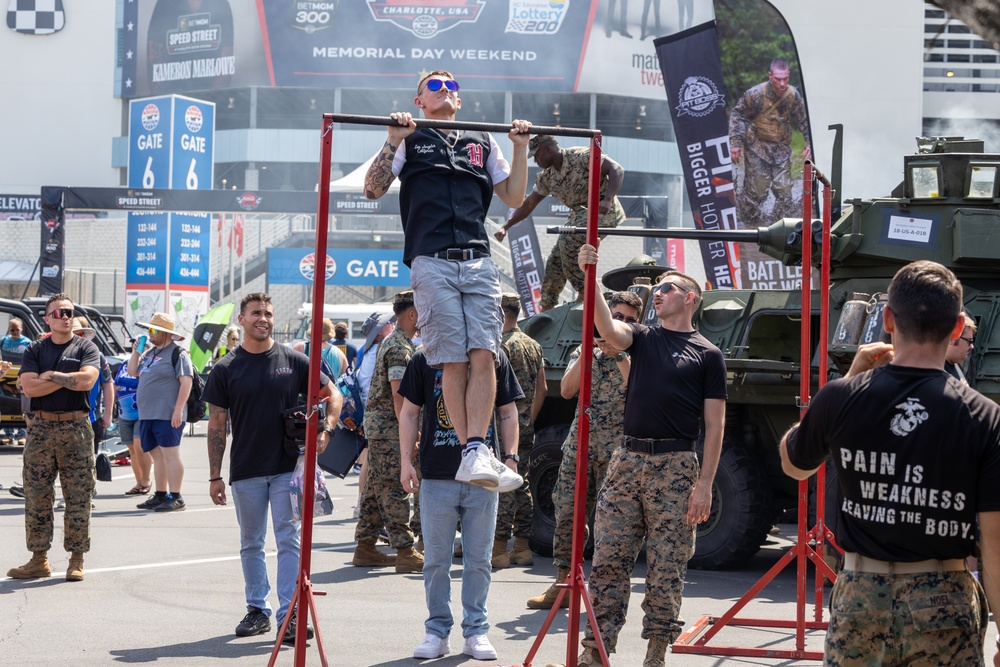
<point x="458" y="307"/>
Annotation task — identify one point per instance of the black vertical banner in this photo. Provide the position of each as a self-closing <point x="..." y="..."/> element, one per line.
<point x="692" y="76"/>
<point x="528" y="264"/>
<point x="51" y="262"/>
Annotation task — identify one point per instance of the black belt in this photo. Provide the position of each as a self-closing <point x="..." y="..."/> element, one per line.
<point x="653" y="446"/>
<point x="460" y="254"/>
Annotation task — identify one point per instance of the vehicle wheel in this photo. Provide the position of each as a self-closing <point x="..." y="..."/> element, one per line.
<point x="543" y="471"/>
<point x="740" y="517"/>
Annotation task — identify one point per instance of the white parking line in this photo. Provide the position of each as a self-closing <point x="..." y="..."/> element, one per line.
<point x="150" y="566"/>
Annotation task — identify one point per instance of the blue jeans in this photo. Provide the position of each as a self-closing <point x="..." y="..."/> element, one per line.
<point x="251" y="498"/>
<point x="442" y="504"/>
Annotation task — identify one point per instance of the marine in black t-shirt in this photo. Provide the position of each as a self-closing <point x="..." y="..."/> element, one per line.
<point x="673" y="372"/>
<point x="47" y="355"/>
<point x="916" y="455"/>
<point x="440" y="450"/>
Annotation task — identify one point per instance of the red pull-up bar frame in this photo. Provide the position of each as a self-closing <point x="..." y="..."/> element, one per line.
<point x="302" y="600"/>
<point x="802" y="552"/>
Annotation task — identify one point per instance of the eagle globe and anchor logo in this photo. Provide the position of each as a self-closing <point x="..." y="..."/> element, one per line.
<point x="699" y="96"/>
<point x="307" y="267"/>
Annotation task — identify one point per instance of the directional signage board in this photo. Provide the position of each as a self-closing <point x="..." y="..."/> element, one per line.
<point x="171" y="145"/>
<point x="190" y="242"/>
<point x="344" y="266"/>
<point x="147" y="250"/>
<point x="192" y="154"/>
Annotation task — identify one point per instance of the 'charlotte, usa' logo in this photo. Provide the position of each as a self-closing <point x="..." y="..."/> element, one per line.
<point x="150" y="117"/>
<point x="307" y="267"/>
<point x="698" y="97"/>
<point x="426" y="18"/>
<point x="193" y="119"/>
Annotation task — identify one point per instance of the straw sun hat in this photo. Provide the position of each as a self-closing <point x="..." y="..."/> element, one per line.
<point x="162" y="322"/>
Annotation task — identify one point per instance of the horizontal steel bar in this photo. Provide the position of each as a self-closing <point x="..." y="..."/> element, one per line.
<point x="461" y="125"/>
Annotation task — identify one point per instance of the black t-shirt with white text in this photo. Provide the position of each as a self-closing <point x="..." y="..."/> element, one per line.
<point x="256" y="389"/>
<point x="70" y="357"/>
<point x="917" y="455"/>
<point x="440" y="449"/>
<point x="672" y="374"/>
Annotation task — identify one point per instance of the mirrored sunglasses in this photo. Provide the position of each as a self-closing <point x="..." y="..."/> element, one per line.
<point x="61" y="313"/>
<point x="434" y="85"/>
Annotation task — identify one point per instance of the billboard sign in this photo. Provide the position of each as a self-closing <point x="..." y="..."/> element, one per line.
<point x="520" y="45"/>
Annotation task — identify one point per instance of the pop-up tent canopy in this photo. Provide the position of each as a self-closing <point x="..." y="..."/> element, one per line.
<point x="355" y="181"/>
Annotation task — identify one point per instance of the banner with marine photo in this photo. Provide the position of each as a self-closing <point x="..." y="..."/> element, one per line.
<point x="769" y="131"/>
<point x="735" y="83"/>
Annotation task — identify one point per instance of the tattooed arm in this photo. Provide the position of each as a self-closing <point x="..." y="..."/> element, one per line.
<point x="217" y="418"/>
<point x="508" y="431"/>
<point x="43" y="384"/>
<point x="379" y="176"/>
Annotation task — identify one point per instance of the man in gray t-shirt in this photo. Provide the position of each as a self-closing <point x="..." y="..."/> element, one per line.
<point x="165" y="375"/>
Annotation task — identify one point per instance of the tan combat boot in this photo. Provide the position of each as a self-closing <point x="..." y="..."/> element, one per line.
<point x="37" y="567"/>
<point x="367" y="555"/>
<point x="656" y="652"/>
<point x="74" y="572"/>
<point x="589" y="656"/>
<point x="409" y="561"/>
<point x="521" y="553"/>
<point x="501" y="558"/>
<point x="548" y="598"/>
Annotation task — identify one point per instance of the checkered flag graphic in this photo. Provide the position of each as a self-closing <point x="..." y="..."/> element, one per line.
<point x="36" y="17"/>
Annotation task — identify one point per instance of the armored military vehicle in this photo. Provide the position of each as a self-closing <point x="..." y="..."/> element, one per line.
<point x="947" y="209"/>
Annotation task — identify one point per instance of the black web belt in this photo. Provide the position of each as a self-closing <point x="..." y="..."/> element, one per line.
<point x="654" y="446"/>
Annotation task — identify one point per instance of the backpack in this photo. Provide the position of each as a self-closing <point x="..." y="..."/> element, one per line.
<point x="196" y="407"/>
<point x="352" y="414"/>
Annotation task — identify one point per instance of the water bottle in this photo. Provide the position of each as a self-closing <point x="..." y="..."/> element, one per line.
<point x="140" y="344"/>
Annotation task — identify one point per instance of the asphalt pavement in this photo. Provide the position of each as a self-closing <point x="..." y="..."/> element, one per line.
<point x="167" y="589"/>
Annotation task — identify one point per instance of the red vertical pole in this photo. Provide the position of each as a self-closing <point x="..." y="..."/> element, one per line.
<point x="315" y="350"/>
<point x="583" y="423"/>
<point x="819" y="529"/>
<point x="805" y="368"/>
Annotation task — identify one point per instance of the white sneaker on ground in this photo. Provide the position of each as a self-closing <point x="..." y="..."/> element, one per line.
<point x="509" y="480"/>
<point x="477" y="469"/>
<point x="432" y="647"/>
<point x="479" y="647"/>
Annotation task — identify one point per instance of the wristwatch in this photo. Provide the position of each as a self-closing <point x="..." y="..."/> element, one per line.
<point x="329" y="431"/>
<point x="620" y="356"/>
<point x="512" y="457"/>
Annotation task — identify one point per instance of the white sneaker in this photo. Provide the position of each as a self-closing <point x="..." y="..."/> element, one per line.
<point x="479" y="647"/>
<point x="432" y="647"/>
<point x="509" y="480"/>
<point x="477" y="469"/>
